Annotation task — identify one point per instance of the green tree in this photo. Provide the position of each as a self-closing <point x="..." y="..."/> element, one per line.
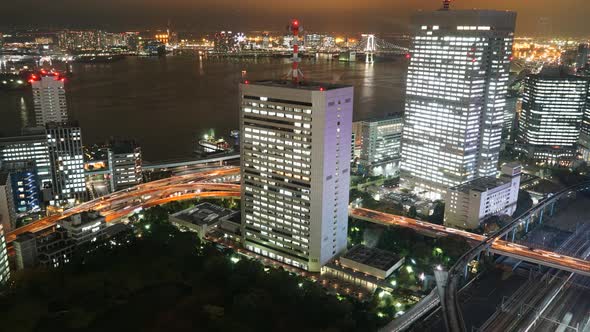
<point x="438" y="214"/>
<point x="412" y="212"/>
<point x="525" y="202"/>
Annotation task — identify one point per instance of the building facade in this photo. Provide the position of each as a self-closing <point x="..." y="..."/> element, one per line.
<point x="4" y="268"/>
<point x="19" y="192"/>
<point x="295" y="158"/>
<point x="125" y="162"/>
<point x="551" y="119"/>
<point x="24" y="182"/>
<point x="49" y="97"/>
<point x="381" y="145"/>
<point x="583" y="57"/>
<point x="67" y="161"/>
<point x="28" y="148"/>
<point x="584" y="143"/>
<point x="7" y="211"/>
<point x="456" y="96"/>
<point x="79" y="233"/>
<point x="84" y="227"/>
<point x="469" y="204"/>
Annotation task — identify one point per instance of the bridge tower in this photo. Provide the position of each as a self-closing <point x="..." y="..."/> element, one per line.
<point x="370" y="48"/>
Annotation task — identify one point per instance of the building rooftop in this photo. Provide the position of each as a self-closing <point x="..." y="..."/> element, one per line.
<point x="81" y="219"/>
<point x="70" y="124"/>
<point x="115" y="229"/>
<point x="236" y="217"/>
<point x="447" y="19"/>
<point x="203" y="214"/>
<point x="23" y="138"/>
<point x="27" y="236"/>
<point x="373" y="257"/>
<point x="303" y="85"/>
<point x="557" y="72"/>
<point x="17" y="166"/>
<point x="120" y="147"/>
<point x="388" y="117"/>
<point x="480" y="184"/>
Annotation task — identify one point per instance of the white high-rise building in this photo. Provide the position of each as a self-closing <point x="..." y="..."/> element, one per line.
<point x="456" y="96"/>
<point x="67" y="160"/>
<point x="49" y="97"/>
<point x="295" y="176"/>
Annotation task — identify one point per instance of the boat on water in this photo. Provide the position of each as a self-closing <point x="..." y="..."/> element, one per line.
<point x="212" y="145"/>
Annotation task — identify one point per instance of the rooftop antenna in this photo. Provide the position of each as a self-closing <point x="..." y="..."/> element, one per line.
<point x="295" y="73"/>
<point x="446" y="5"/>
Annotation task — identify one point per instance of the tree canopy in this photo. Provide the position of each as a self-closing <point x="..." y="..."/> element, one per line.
<point x="161" y="279"/>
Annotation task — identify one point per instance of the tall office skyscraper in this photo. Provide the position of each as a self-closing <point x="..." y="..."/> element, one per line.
<point x="67" y="160"/>
<point x="551" y="119"/>
<point x="49" y="98"/>
<point x="295" y="149"/>
<point x="584" y="143"/>
<point x="456" y="96"/>
<point x="380" y="145"/>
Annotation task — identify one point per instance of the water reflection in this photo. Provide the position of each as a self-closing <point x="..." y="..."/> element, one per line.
<point x="24" y="113"/>
<point x="165" y="103"/>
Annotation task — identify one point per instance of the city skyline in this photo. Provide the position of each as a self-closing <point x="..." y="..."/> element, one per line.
<point x="342" y="16"/>
<point x="298" y="178"/>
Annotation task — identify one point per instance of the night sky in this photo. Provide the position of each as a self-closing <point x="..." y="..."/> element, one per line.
<point x="566" y="17"/>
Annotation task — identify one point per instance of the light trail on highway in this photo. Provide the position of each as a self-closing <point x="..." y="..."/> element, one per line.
<point x="199" y="184"/>
<point x="196" y="181"/>
<point x="498" y="246"/>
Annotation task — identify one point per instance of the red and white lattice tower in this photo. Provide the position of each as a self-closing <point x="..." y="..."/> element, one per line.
<point x="446" y="4"/>
<point x="295" y="73"/>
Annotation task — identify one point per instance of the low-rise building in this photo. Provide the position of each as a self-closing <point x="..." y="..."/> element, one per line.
<point x="202" y="218"/>
<point x="84" y="227"/>
<point x="364" y="267"/>
<point x="371" y="261"/>
<point x="56" y="249"/>
<point x="231" y="227"/>
<point x="468" y="204"/>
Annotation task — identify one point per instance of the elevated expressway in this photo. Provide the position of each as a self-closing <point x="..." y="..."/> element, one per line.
<point x="498" y="246"/>
<point x="217" y="184"/>
<point x="206" y="183"/>
<point x="450" y="302"/>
